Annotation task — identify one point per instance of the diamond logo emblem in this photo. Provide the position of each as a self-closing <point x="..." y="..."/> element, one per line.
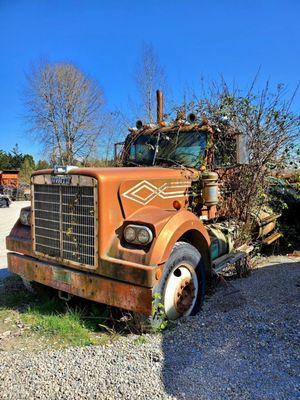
<point x="144" y="192"/>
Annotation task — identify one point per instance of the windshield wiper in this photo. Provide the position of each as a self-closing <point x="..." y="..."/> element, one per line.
<point x="134" y="163"/>
<point x="170" y="160"/>
<point x="165" y="159"/>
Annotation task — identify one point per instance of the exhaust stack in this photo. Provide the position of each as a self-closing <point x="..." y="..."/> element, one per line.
<point x="160" y="106"/>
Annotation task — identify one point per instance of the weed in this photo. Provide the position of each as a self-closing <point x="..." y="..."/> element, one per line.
<point x="141" y="339"/>
<point x="158" y="312"/>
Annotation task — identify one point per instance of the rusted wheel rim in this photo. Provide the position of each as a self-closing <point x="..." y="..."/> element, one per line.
<point x="184" y="296"/>
<point x="181" y="291"/>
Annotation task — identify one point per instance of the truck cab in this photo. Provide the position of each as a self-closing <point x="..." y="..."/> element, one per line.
<point x="143" y="236"/>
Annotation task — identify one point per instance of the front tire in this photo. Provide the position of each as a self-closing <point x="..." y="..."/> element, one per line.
<point x="180" y="291"/>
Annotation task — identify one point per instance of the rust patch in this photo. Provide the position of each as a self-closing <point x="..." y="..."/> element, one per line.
<point x="82" y="284"/>
<point x="184" y="296"/>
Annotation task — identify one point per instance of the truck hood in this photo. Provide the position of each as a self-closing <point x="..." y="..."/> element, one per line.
<point x="121" y="173"/>
<point x="136" y="187"/>
<point x="143" y="186"/>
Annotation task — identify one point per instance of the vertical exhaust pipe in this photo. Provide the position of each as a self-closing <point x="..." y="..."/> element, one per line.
<point x="159" y="100"/>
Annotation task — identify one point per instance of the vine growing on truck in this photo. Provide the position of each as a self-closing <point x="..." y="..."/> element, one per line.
<point x="266" y="119"/>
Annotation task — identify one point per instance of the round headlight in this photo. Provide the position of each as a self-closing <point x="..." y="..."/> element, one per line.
<point x="129" y="234"/>
<point x="143" y="236"/>
<point x="25" y="217"/>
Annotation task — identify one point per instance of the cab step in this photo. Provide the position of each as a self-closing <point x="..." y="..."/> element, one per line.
<point x="269" y="218"/>
<point x="222" y="262"/>
<point x="271" y="238"/>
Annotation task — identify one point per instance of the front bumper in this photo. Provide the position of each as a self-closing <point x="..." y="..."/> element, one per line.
<point x="83" y="284"/>
<point x="119" y="268"/>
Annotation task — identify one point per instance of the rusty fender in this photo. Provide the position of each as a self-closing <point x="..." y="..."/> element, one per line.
<point x="183" y="224"/>
<point x="19" y="239"/>
<point x="169" y="227"/>
<point x="87" y="285"/>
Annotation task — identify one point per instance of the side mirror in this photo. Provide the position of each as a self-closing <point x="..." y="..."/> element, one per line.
<point x="118" y="150"/>
<point x="242" y="150"/>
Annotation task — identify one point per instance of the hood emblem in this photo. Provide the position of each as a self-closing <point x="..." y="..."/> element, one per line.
<point x="61" y="179"/>
<point x="145" y="191"/>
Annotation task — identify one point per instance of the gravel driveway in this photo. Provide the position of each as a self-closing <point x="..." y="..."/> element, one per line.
<point x="243" y="345"/>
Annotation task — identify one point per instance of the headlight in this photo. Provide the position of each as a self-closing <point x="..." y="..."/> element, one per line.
<point x="143" y="236"/>
<point x="138" y="234"/>
<point x="129" y="234"/>
<point x="25" y="216"/>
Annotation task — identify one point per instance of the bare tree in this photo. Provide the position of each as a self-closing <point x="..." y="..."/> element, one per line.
<point x="115" y="132"/>
<point x="64" y="109"/>
<point x="149" y="77"/>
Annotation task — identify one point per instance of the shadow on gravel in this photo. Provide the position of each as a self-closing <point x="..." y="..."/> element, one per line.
<point x="242" y="345"/>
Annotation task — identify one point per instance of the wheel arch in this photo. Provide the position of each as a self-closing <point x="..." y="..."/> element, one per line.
<point x="196" y="239"/>
<point x="183" y="226"/>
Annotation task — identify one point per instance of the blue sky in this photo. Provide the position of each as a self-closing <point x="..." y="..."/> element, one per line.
<point x="104" y="38"/>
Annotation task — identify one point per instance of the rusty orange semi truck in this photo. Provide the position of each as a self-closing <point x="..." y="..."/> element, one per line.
<point x="123" y="236"/>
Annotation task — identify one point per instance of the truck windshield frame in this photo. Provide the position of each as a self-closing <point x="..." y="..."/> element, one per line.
<point x="185" y="148"/>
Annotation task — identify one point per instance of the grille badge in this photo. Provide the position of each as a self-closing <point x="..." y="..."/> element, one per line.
<point x="61" y="180"/>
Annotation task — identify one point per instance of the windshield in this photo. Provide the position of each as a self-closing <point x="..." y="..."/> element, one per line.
<point x="186" y="148"/>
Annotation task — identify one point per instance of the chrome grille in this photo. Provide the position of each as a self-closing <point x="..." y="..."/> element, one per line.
<point x="65" y="223"/>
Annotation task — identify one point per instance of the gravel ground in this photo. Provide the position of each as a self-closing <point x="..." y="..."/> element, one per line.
<point x="243" y="345"/>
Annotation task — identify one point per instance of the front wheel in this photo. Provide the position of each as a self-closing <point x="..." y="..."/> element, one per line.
<point x="180" y="291"/>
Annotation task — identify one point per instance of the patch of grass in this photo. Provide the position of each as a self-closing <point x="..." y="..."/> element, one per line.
<point x="79" y="324"/>
<point x="67" y="328"/>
